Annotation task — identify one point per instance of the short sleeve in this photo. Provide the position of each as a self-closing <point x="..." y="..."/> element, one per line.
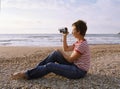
<point x="80" y="48"/>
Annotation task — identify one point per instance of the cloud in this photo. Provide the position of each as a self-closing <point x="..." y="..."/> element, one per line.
<point x="44" y="4"/>
<point x="32" y="4"/>
<point x="102" y="16"/>
<point x="99" y="14"/>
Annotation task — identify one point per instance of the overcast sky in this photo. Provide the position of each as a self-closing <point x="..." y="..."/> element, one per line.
<point x="46" y="16"/>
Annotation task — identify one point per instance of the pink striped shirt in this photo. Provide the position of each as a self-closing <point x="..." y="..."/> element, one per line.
<point x="83" y="62"/>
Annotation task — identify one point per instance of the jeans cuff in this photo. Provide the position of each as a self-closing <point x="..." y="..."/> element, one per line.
<point x="27" y="75"/>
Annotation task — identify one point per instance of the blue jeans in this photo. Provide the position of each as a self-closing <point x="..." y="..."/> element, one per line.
<point x="56" y="63"/>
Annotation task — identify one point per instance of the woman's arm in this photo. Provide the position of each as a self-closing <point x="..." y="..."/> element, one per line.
<point x="65" y="45"/>
<point x="74" y="56"/>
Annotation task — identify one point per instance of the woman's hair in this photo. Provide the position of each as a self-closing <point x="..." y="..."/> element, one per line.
<point x="80" y="26"/>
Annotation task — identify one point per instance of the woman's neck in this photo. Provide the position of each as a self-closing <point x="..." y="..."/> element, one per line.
<point x="80" y="38"/>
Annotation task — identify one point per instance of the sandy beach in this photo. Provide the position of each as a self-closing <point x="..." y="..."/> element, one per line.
<point x="104" y="72"/>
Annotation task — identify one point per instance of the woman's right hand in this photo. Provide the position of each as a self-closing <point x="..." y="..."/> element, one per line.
<point x="65" y="34"/>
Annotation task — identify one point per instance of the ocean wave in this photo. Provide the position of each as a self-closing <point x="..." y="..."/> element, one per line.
<point x="15" y="40"/>
<point x="55" y="39"/>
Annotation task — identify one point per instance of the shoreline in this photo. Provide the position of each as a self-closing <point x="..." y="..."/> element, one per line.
<point x="50" y="45"/>
<point x="18" y="51"/>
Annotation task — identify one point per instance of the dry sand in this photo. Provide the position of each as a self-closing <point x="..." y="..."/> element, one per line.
<point x="104" y="72"/>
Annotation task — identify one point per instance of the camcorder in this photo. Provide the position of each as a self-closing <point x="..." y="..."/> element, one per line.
<point x="63" y="30"/>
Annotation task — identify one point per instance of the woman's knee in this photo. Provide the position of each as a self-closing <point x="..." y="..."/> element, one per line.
<point x="53" y="53"/>
<point x="56" y="52"/>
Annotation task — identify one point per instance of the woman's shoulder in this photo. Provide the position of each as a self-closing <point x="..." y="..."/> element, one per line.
<point x="84" y="43"/>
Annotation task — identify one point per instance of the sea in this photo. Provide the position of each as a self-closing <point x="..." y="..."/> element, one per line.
<point x="54" y="39"/>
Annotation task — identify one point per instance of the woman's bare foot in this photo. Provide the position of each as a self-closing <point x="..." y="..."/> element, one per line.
<point x="19" y="75"/>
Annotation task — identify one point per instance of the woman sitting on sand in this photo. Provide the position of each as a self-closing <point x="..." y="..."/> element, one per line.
<point x="74" y="66"/>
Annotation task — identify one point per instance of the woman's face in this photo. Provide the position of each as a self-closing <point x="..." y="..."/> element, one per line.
<point x="75" y="32"/>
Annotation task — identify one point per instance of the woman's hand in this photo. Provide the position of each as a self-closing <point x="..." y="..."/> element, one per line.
<point x="65" y="34"/>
